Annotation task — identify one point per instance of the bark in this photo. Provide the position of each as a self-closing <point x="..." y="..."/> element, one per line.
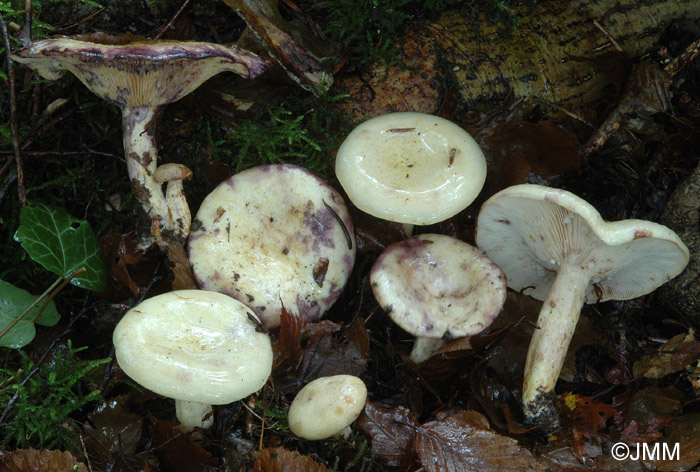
<point x="464" y="55"/>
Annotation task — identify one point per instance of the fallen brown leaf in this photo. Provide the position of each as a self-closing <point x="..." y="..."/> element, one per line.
<point x="463" y="442"/>
<point x="279" y="459"/>
<point x="177" y="452"/>
<point x="33" y="460"/>
<point x="392" y="432"/>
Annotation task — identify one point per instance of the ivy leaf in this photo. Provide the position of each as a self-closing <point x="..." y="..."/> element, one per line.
<point x="13" y="301"/>
<point x="62" y="244"/>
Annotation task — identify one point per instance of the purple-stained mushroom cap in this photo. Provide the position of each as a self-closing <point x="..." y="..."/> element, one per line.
<point x="274" y="236"/>
<point x="437" y="288"/>
<point x="554" y="246"/>
<point x="140" y="78"/>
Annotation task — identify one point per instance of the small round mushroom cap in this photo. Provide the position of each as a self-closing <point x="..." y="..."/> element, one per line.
<point x="194" y="345"/>
<point x="530" y="230"/>
<point x="273" y="236"/>
<point x="410" y="168"/>
<point x="326" y="406"/>
<point x="435" y="286"/>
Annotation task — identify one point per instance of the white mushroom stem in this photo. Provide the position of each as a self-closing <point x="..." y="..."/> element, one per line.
<point x="424" y="348"/>
<point x="550" y="342"/>
<point x="142" y="160"/>
<point x="194" y="415"/>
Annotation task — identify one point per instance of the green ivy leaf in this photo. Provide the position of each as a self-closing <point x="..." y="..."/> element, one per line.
<point x="13" y="301"/>
<point x="62" y="244"/>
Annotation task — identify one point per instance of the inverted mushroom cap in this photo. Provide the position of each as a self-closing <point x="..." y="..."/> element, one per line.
<point x="435" y="286"/>
<point x="530" y="230"/>
<point x="194" y="345"/>
<point x="327" y="405"/>
<point x="410" y="168"/>
<point x="274" y="235"/>
<point x="142" y="73"/>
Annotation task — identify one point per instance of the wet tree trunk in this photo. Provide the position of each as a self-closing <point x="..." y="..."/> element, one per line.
<point x="541" y="60"/>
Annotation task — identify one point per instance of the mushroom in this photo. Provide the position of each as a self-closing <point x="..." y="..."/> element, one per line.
<point x="436" y="288"/>
<point x="410" y="168"/>
<point x="140" y="78"/>
<point x="555" y="247"/>
<point x="200" y="348"/>
<point x="327" y="406"/>
<point x="274" y="236"/>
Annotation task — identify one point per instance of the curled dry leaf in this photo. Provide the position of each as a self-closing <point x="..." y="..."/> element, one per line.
<point x="392" y="432"/>
<point x="279" y="459"/>
<point x="177" y="452"/>
<point x="681" y="351"/>
<point x="33" y="460"/>
<point x="463" y="442"/>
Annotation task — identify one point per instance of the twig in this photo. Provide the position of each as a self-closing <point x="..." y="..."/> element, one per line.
<point x="14" y="126"/>
<point x="172" y="21"/>
<point x="25" y="35"/>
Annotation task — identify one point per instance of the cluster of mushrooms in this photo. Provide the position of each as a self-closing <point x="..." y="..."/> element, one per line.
<point x="277" y="237"/>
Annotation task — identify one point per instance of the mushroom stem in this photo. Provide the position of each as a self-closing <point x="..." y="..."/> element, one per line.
<point x="142" y="160"/>
<point x="194" y="414"/>
<point x="555" y="327"/>
<point x="424" y="348"/>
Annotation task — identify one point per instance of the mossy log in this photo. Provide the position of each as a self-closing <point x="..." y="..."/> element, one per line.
<point x="541" y="58"/>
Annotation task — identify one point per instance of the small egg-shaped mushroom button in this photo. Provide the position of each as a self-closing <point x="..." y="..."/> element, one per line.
<point x="555" y="247"/>
<point x="274" y="236"/>
<point x="410" y="168"/>
<point x="200" y="348"/>
<point x="437" y="288"/>
<point x="327" y="406"/>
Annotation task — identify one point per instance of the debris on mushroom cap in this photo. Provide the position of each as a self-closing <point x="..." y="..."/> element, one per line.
<point x="140" y="73"/>
<point x="194" y="345"/>
<point x="530" y="230"/>
<point x="436" y="286"/>
<point x="274" y="236"/>
<point x="327" y="405"/>
<point x="410" y="168"/>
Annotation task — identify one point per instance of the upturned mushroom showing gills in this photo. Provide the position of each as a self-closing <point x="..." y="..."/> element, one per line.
<point x="274" y="236"/>
<point x="140" y="78"/>
<point x="555" y="247"/>
<point x="437" y="288"/>
<point x="327" y="406"/>
<point x="410" y="168"/>
<point x="200" y="348"/>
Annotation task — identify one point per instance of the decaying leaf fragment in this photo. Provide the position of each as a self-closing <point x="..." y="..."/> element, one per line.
<point x="674" y="356"/>
<point x="392" y="432"/>
<point x="464" y="442"/>
<point x="34" y="460"/>
<point x="279" y="459"/>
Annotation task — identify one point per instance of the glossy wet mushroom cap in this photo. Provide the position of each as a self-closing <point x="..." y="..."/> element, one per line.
<point x="436" y="288"/>
<point x="410" y="168"/>
<point x="274" y="236"/>
<point x="200" y="348"/>
<point x="326" y="406"/>
<point x="554" y="246"/>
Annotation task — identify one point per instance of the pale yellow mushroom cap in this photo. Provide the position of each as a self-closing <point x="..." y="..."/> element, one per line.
<point x="410" y="168"/>
<point x="327" y="405"/>
<point x="194" y="345"/>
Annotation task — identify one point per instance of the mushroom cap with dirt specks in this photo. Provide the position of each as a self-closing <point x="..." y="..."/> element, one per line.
<point x="437" y="286"/>
<point x="325" y="406"/>
<point x="274" y="236"/>
<point x="529" y="230"/>
<point x="194" y="345"/>
<point x="411" y="168"/>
